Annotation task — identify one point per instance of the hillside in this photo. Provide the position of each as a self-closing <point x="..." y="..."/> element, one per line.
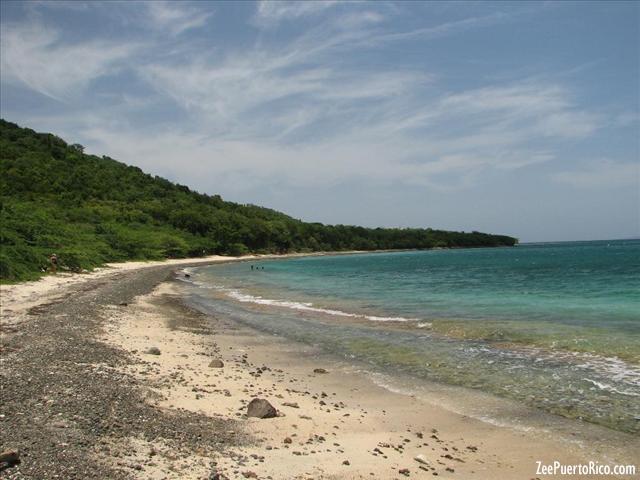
<point x="90" y="210"/>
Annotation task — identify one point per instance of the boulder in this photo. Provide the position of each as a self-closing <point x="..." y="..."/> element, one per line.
<point x="154" y="351"/>
<point x="216" y="363"/>
<point x="260" y="408"/>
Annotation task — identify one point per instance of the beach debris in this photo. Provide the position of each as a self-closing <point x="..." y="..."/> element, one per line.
<point x="421" y="459"/>
<point x="10" y="457"/>
<point x="319" y="370"/>
<point x="291" y="404"/>
<point x="216" y="363"/>
<point x="153" y="351"/>
<point x="261" y="408"/>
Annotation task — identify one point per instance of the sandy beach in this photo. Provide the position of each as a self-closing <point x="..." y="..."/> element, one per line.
<point x="111" y="375"/>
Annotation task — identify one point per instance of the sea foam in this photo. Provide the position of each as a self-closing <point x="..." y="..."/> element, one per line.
<point x="308" y="307"/>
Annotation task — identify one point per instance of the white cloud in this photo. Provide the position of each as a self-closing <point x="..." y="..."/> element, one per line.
<point x="175" y="17"/>
<point x="301" y="112"/>
<point x="605" y="173"/>
<point x="627" y="119"/>
<point x="34" y="55"/>
<point x="445" y="29"/>
<point x="500" y="114"/>
<point x="270" y="13"/>
<point x="76" y="5"/>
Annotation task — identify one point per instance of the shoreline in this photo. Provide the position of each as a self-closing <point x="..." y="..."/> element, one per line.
<point x="130" y="264"/>
<point x="379" y="431"/>
<point x="173" y="416"/>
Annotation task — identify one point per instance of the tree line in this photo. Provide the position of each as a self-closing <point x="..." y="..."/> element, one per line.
<point x="91" y="210"/>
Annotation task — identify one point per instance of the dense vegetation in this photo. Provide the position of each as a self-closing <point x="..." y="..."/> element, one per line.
<point x="90" y="210"/>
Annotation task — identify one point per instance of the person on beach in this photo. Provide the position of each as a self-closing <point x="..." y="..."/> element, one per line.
<point x="54" y="263"/>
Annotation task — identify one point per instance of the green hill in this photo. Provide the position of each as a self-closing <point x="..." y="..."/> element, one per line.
<point x="90" y="210"/>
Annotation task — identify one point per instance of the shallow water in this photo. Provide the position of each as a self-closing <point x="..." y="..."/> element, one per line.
<point x="556" y="326"/>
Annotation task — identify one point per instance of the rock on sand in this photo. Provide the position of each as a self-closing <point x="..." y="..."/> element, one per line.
<point x="259" y="407"/>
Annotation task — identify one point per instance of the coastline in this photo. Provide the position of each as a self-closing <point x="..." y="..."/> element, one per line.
<point x="355" y="413"/>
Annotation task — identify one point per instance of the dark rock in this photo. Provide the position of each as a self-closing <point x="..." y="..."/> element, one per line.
<point x="153" y="351"/>
<point x="216" y="363"/>
<point x="346" y="462"/>
<point x="10" y="457"/>
<point x="287" y="440"/>
<point x="404" y="471"/>
<point x="259" y="407"/>
<point x="319" y="370"/>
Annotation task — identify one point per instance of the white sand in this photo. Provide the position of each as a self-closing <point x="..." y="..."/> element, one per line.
<point x="341" y="416"/>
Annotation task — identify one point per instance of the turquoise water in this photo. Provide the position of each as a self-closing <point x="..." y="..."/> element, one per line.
<point x="554" y="325"/>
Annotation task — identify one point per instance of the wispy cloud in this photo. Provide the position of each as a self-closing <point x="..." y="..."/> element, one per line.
<point x="445" y="29"/>
<point x="270" y="13"/>
<point x="603" y="174"/>
<point x="36" y="56"/>
<point x="176" y="17"/>
<point x="302" y="109"/>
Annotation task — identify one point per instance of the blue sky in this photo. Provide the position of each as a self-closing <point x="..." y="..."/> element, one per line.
<point x="518" y="118"/>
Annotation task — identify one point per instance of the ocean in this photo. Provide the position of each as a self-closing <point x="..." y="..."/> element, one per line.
<point x="554" y="326"/>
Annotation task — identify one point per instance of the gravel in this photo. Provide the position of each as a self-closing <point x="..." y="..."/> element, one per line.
<point x="63" y="399"/>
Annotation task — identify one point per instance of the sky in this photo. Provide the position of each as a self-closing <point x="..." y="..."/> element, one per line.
<point x="517" y="118"/>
